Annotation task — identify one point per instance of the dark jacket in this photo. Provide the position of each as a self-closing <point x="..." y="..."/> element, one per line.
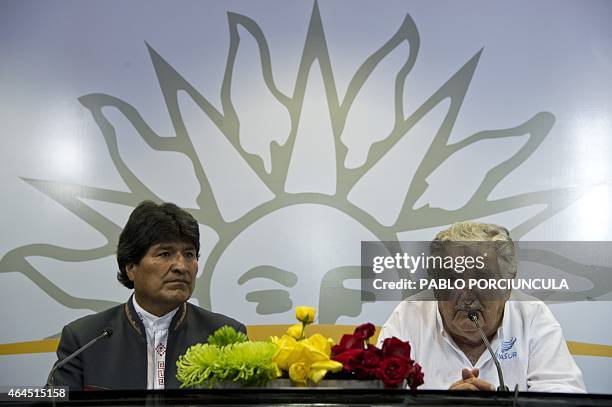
<point x="120" y="362"/>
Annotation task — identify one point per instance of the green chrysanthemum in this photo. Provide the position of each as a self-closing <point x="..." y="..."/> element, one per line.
<point x="198" y="365"/>
<point x="249" y="363"/>
<point x="226" y="336"/>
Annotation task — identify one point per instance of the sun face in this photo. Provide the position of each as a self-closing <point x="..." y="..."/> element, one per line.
<point x="299" y="241"/>
<point x="292" y="252"/>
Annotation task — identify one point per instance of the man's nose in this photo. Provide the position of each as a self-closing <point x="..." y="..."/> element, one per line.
<point x="468" y="297"/>
<point x="180" y="263"/>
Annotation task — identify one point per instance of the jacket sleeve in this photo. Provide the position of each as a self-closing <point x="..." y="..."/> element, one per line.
<point x="71" y="374"/>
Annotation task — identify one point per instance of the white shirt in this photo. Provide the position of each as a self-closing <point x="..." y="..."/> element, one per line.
<point x="529" y="345"/>
<point x="157" y="339"/>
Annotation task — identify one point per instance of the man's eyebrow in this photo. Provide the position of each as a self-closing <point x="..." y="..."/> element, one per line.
<point x="170" y="246"/>
<point x="284" y="277"/>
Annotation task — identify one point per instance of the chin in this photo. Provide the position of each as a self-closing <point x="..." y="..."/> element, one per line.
<point x="470" y="330"/>
<point x="466" y="325"/>
<point x="177" y="297"/>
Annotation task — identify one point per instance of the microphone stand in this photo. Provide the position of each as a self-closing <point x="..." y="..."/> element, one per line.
<point x="106" y="332"/>
<point x="473" y="316"/>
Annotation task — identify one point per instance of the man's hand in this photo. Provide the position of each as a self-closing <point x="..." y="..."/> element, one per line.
<point x="470" y="381"/>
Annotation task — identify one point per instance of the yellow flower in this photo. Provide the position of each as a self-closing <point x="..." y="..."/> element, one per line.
<point x="305" y="359"/>
<point x="321" y="343"/>
<point x="298" y="373"/>
<point x="305" y="315"/>
<point x="314" y="349"/>
<point x="318" y="370"/>
<point x="296" y="331"/>
<point x="288" y="351"/>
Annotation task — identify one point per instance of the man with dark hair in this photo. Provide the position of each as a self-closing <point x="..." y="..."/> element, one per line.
<point x="157" y="255"/>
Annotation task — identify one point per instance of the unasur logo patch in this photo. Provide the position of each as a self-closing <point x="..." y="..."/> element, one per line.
<point x="505" y="351"/>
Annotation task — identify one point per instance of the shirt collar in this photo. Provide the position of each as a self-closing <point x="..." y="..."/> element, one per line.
<point x="153" y="321"/>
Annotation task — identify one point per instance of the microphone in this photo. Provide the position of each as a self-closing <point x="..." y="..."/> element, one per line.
<point x="106" y="333"/>
<point x="473" y="316"/>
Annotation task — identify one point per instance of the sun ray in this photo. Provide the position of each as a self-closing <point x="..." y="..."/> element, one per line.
<point x="67" y="196"/>
<point x="94" y="103"/>
<point x="256" y="113"/>
<point x="171" y="82"/>
<point x="315" y="49"/>
<point x="232" y="126"/>
<point x="264" y="53"/>
<point x="15" y="261"/>
<point x="383" y="71"/>
<point x="312" y="167"/>
<point x="407" y="32"/>
<point x="563" y="197"/>
<point x="221" y="162"/>
<point x="537" y="128"/>
<point x="454" y="89"/>
<point x="382" y="191"/>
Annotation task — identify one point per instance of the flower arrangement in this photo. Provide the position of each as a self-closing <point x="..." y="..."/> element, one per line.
<point x="391" y="363"/>
<point x="305" y="359"/>
<point x="227" y="356"/>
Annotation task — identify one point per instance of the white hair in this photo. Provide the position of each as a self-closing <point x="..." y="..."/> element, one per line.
<point x="481" y="232"/>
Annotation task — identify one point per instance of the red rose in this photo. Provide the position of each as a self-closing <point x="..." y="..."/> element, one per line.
<point x="391" y="363"/>
<point x="393" y="370"/>
<point x="366" y="330"/>
<point x="370" y="360"/>
<point x="350" y="359"/>
<point x="396" y="347"/>
<point x="415" y="376"/>
<point x="354" y="341"/>
<point x="372" y="357"/>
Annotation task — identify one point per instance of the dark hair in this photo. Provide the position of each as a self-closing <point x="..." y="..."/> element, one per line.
<point x="148" y="225"/>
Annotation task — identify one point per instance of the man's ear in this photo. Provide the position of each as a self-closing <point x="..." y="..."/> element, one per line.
<point x="130" y="269"/>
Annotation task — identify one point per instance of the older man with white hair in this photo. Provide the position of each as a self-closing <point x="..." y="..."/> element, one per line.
<point x="523" y="333"/>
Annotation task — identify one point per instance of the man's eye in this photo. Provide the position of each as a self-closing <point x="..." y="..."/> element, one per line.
<point x="190" y="255"/>
<point x="164" y="254"/>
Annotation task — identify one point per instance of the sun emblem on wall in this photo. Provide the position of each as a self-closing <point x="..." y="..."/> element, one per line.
<point x="289" y="233"/>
